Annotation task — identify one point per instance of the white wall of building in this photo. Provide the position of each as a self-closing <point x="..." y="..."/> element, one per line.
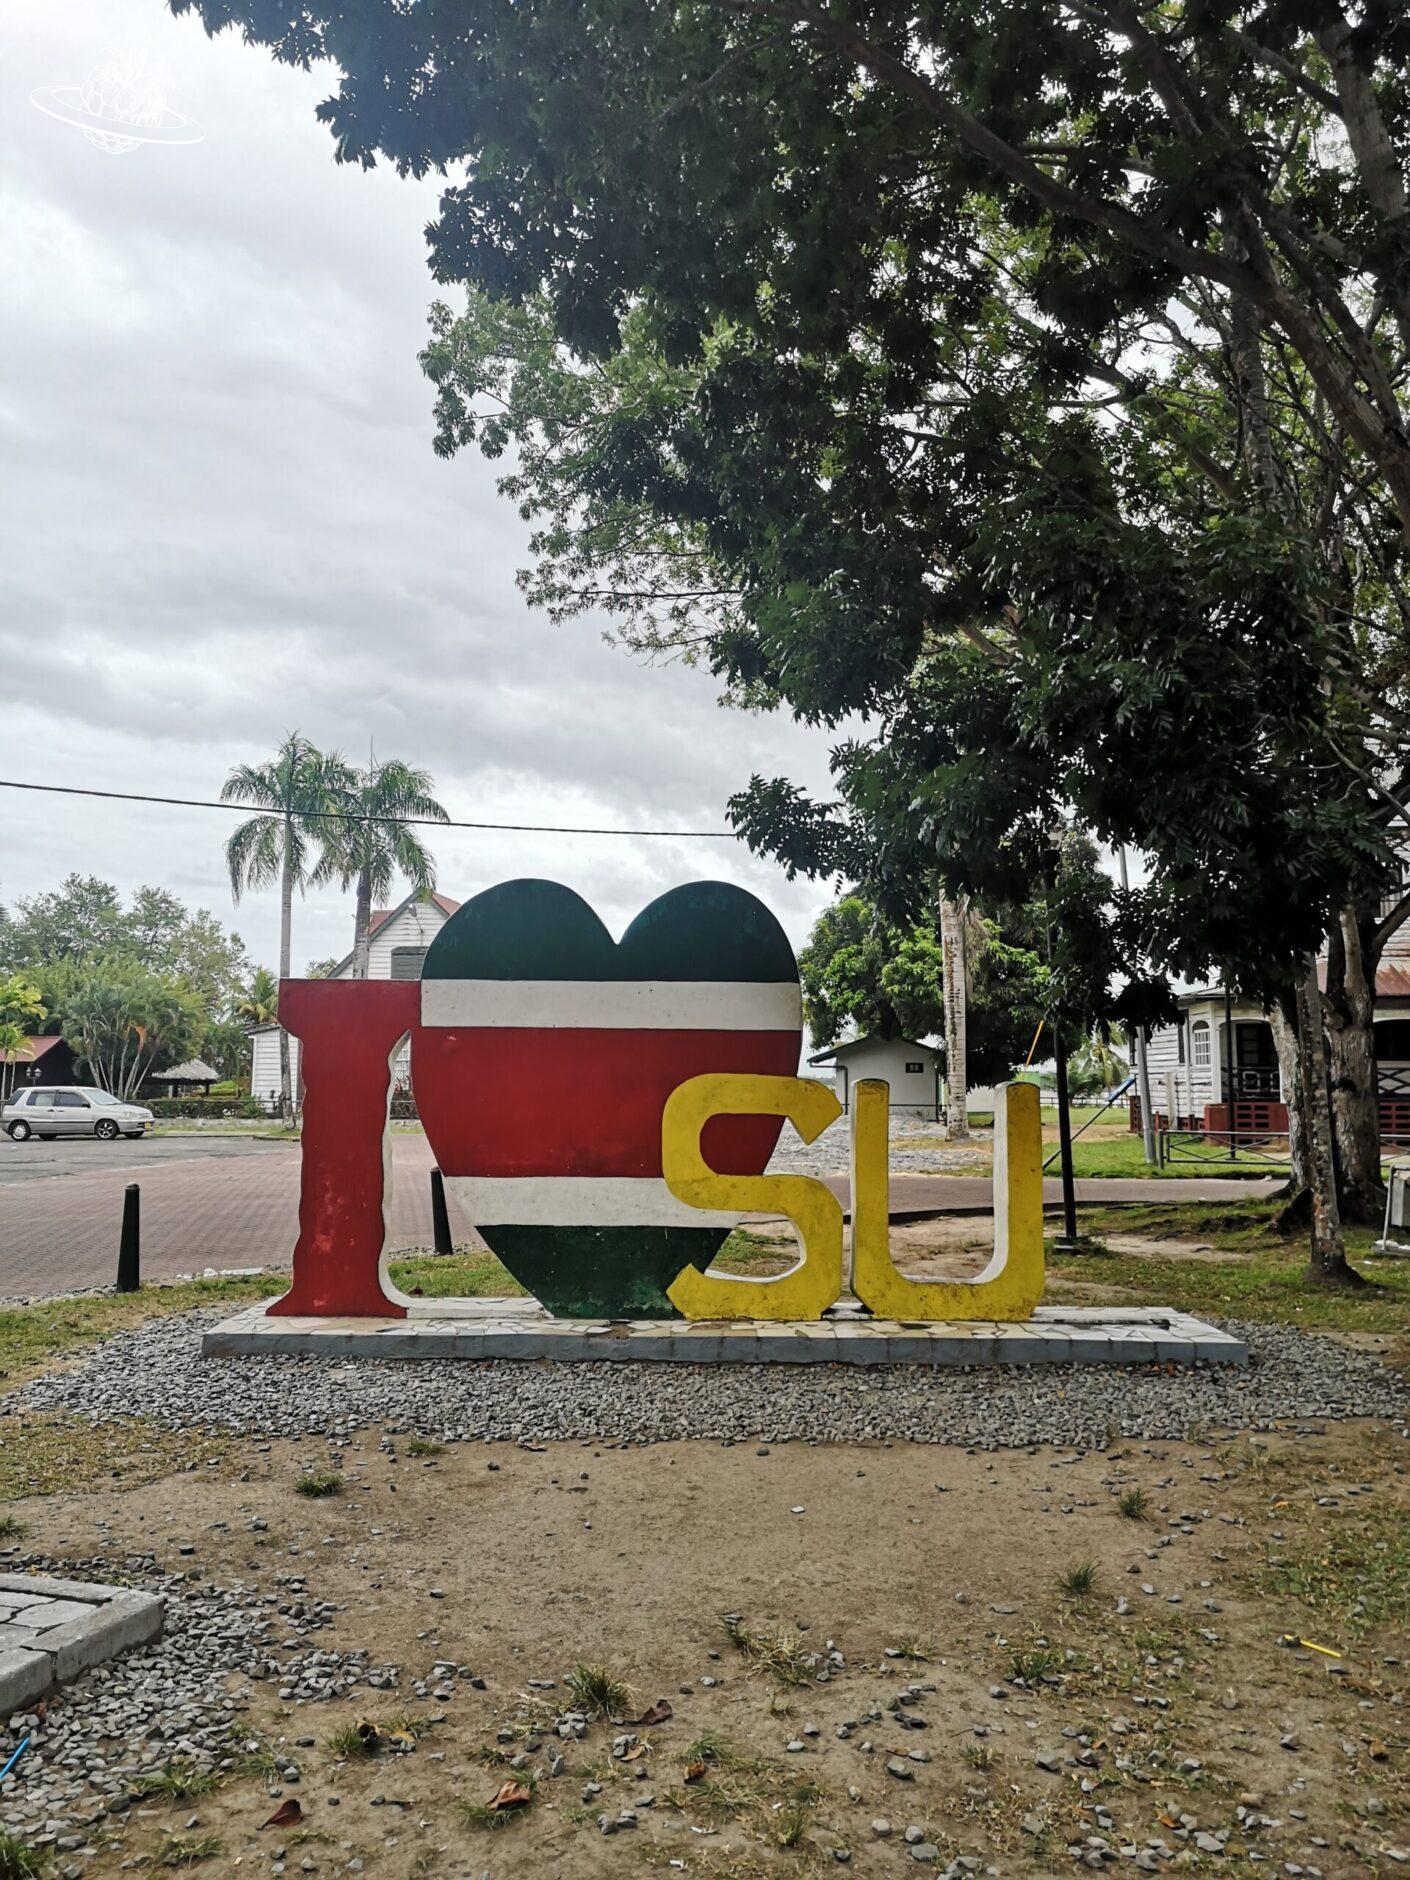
<point x="894" y="1060"/>
<point x="415" y="925"/>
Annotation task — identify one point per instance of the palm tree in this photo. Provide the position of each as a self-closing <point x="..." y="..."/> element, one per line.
<point x="298" y="790"/>
<point x="259" y="1002"/>
<point x="374" y="844"/>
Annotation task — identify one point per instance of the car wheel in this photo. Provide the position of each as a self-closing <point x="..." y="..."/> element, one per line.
<point x="106" y="1130"/>
<point x="20" y="1131"/>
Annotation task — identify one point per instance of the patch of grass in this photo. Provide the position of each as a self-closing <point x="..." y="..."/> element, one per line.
<point x="791" y="1824"/>
<point x="351" y="1742"/>
<point x="979" y="1756"/>
<point x="1079" y="1581"/>
<point x="32" y="1336"/>
<point x="598" y="1691"/>
<point x="754" y="1254"/>
<point x="468" y="1275"/>
<point x="11" y="1528"/>
<point x="1034" y="1663"/>
<point x="20" y="1861"/>
<point x="319" y="1483"/>
<point x="1355" y="1570"/>
<point x="50" y="1452"/>
<point x="1268" y="1280"/>
<point x="356" y="1742"/>
<point x="1134" y="1504"/>
<point x="711" y="1747"/>
<point x="263" y="1764"/>
<point x="736" y="1782"/>
<point x="189" y="1850"/>
<point x="425" y="1446"/>
<point x="178" y="1782"/>
<point x="774" y="1651"/>
<point x="916" y="1650"/>
<point x="481" y="1815"/>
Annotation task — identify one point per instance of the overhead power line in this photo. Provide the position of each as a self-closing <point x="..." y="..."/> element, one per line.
<point x="341" y="815"/>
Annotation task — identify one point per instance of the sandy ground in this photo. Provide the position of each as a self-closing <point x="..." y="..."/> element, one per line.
<point x="545" y="1558"/>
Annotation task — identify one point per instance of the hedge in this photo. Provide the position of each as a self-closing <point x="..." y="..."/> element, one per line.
<point x="210" y="1107"/>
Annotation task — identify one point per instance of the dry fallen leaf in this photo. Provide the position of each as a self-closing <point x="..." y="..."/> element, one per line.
<point x="1379" y="1752"/>
<point x="635" y="1755"/>
<point x="286" y="1814"/>
<point x="660" y="1712"/>
<point x="694" y="1771"/>
<point x="511" y="1794"/>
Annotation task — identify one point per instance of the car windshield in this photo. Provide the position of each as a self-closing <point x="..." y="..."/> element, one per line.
<point x="101" y="1096"/>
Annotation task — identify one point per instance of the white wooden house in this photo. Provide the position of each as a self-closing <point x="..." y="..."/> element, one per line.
<point x="1217" y="1068"/>
<point x="914" y="1071"/>
<point x="398" y="939"/>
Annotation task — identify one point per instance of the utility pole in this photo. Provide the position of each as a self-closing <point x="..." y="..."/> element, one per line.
<point x="1138" y="1048"/>
<point x="1067" y="1240"/>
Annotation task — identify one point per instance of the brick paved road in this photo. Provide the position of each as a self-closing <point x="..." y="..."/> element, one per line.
<point x="223" y="1203"/>
<point x="205" y="1203"/>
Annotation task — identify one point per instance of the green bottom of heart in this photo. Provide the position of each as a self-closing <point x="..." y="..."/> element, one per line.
<point x="603" y="1272"/>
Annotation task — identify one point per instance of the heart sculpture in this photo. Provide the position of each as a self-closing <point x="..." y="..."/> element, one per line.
<point x="544" y="1058"/>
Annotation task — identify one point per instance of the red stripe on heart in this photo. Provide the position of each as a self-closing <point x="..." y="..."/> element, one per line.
<point x="500" y="1102"/>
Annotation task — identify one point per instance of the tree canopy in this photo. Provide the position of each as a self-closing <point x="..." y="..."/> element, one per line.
<point x="132" y="988"/>
<point x="915" y="364"/>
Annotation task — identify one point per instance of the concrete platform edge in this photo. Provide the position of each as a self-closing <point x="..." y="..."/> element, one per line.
<point x="1129" y="1336"/>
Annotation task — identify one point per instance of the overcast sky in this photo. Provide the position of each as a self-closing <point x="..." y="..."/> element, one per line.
<point x="222" y="518"/>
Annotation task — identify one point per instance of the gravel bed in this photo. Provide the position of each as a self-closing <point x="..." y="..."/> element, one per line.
<point x="157" y="1370"/>
<point x="179" y="1699"/>
<point x="917" y="1148"/>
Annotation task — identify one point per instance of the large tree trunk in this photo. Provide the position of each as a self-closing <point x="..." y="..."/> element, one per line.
<point x="1284" y="1027"/>
<point x="956" y="988"/>
<point x="1327" y="1254"/>
<point x="1348" y="1009"/>
<point x="286" y="933"/>
<point x="362" y="927"/>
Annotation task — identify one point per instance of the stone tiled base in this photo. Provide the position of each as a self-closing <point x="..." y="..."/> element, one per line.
<point x="516" y="1328"/>
<point x="50" y="1630"/>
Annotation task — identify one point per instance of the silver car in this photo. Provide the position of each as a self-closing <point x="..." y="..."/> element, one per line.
<point x="72" y="1110"/>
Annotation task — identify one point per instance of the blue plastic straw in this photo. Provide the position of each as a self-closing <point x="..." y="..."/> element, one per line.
<point x="24" y="1745"/>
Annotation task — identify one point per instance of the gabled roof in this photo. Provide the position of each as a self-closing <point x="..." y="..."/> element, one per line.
<point x="381" y="915"/>
<point x="856" y="1044"/>
<point x="30" y="1051"/>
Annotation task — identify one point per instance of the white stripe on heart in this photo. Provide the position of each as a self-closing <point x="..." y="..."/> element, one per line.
<point x="613" y="1004"/>
<point x="577" y="1201"/>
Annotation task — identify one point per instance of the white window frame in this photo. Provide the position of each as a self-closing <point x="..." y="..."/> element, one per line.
<point x="1201" y="1045"/>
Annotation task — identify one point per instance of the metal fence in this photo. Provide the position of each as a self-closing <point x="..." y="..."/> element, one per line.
<point x="1219" y="1147"/>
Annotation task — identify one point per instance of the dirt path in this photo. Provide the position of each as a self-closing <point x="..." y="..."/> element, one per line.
<point x="1160" y="1707"/>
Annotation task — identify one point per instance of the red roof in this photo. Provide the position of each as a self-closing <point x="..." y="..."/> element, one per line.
<point x="34" y="1048"/>
<point x="382" y="914"/>
<point x="1392" y="982"/>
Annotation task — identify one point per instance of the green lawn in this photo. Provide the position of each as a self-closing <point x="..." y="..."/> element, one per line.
<point x="1267" y="1281"/>
<point x="1125" y="1155"/>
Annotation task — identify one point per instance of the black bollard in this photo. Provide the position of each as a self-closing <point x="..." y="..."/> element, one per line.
<point x="129" y="1273"/>
<point x="440" y="1219"/>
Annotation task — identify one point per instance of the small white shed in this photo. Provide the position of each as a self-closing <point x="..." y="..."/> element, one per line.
<point x="914" y="1071"/>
